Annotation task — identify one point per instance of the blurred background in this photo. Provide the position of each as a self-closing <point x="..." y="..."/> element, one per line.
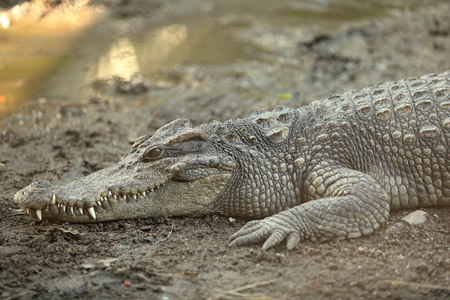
<point x="66" y="49"/>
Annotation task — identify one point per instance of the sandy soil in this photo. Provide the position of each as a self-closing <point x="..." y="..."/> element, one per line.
<point x="189" y="258"/>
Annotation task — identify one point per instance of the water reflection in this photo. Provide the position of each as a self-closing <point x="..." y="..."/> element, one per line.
<point x="126" y="57"/>
<point x="4" y="21"/>
<point x="121" y="60"/>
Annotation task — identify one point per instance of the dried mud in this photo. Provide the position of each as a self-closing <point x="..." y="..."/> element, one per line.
<point x="188" y="258"/>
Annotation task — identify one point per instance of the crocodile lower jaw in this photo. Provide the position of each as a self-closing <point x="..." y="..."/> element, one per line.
<point x="102" y="202"/>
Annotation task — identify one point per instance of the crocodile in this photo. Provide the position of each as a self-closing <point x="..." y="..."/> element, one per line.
<point x="330" y="170"/>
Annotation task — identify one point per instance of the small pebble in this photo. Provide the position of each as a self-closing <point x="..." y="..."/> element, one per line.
<point x="415" y="218"/>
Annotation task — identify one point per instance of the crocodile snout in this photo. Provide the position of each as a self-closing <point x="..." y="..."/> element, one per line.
<point x="35" y="197"/>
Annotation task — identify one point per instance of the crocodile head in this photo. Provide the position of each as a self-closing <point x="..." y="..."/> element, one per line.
<point x="172" y="173"/>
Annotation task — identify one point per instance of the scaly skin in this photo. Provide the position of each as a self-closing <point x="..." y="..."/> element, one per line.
<point x="332" y="169"/>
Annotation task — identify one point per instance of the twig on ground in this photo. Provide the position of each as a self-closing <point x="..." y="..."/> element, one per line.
<point x="168" y="236"/>
<point x="252" y="285"/>
<point x="237" y="292"/>
<point x="413" y="285"/>
<point x="17" y="212"/>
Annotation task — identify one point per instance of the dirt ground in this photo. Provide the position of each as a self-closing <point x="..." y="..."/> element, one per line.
<point x="189" y="258"/>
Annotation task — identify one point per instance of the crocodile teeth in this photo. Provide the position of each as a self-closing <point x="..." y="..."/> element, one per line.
<point x="109" y="194"/>
<point x="115" y="197"/>
<point x="71" y="209"/>
<point x="39" y="214"/>
<point x="80" y="209"/>
<point x="144" y="193"/>
<point x="92" y="212"/>
<point x="63" y="207"/>
<point x="53" y="199"/>
<point x="99" y="203"/>
<point x="134" y="196"/>
<point x="27" y="210"/>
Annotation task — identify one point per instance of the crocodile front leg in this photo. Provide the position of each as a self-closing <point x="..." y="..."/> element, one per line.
<point x="345" y="204"/>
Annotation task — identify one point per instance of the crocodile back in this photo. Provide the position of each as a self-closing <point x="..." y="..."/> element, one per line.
<point x="397" y="132"/>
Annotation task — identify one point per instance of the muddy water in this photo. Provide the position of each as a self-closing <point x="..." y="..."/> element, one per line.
<point x="144" y="52"/>
<point x="42" y="60"/>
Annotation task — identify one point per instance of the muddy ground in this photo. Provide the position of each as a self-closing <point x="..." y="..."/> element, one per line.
<point x="188" y="258"/>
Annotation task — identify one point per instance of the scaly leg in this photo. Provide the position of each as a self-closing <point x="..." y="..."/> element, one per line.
<point x="349" y="204"/>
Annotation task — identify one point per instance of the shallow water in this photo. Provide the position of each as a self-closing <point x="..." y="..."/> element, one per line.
<point x="42" y="60"/>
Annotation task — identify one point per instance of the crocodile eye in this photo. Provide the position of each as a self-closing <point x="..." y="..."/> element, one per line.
<point x="151" y="154"/>
<point x="155" y="152"/>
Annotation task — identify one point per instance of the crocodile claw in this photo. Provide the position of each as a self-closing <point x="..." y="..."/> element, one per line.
<point x="272" y="231"/>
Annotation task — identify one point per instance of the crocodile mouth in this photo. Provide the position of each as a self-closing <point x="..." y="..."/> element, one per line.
<point x="61" y="207"/>
<point x="57" y="206"/>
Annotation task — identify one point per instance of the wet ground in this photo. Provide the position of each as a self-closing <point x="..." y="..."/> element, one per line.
<point x="133" y="66"/>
